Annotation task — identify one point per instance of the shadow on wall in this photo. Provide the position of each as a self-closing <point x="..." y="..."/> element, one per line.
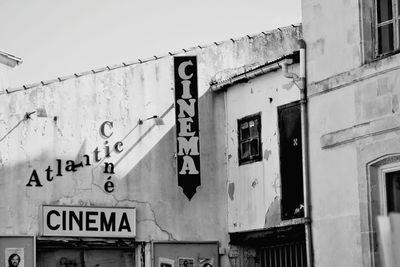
<point x="163" y="211"/>
<point x="153" y="182"/>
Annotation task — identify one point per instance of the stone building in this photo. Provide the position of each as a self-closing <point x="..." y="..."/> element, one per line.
<point x="353" y="100"/>
<point x="118" y="167"/>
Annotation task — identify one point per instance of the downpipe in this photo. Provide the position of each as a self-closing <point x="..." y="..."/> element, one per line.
<point x="305" y="156"/>
<point x="301" y="82"/>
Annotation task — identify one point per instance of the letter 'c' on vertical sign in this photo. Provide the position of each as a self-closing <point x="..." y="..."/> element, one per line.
<point x="187" y="124"/>
<point x="182" y="70"/>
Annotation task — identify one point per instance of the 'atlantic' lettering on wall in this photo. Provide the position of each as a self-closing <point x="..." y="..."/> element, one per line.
<point x="187" y="124"/>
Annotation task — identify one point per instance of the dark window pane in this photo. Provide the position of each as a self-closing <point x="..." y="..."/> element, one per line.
<point x="245" y="150"/>
<point x="384" y="10"/>
<point x="253" y="128"/>
<point x="393" y="191"/>
<point x="254" y="147"/>
<point x="385" y="39"/>
<point x="398" y="7"/>
<point x="398" y="29"/>
<point x="244" y="131"/>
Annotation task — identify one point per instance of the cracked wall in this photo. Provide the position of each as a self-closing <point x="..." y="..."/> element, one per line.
<point x="145" y="173"/>
<point x="75" y="110"/>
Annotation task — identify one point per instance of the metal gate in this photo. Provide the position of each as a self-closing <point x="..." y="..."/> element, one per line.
<point x="285" y="255"/>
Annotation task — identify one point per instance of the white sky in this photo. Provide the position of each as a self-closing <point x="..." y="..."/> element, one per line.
<point x="56" y="38"/>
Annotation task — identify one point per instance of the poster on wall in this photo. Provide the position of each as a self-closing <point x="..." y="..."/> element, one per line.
<point x="186" y="262"/>
<point x="185" y="253"/>
<point x="206" y="262"/>
<point x="187" y="124"/>
<point x="14" y="257"/>
<point x="165" y="262"/>
<point x="17" y="251"/>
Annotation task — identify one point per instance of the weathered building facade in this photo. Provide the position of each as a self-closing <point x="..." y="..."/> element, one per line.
<point x="264" y="165"/>
<point x="89" y="163"/>
<point x="353" y="100"/>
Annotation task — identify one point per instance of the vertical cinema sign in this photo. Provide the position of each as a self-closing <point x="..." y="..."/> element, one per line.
<point x="187" y="124"/>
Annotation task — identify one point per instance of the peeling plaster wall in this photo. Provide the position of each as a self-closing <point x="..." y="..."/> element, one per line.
<point x="254" y="189"/>
<point x="145" y="172"/>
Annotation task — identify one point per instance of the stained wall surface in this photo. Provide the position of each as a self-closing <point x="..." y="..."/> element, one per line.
<point x="254" y="189"/>
<point x="332" y="33"/>
<point x="69" y="112"/>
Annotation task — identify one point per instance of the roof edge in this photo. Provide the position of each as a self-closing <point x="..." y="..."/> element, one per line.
<point x="139" y="61"/>
<point x="252" y="73"/>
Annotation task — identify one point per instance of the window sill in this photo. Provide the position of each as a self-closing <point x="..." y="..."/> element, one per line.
<point x="382" y="56"/>
<point x="241" y="163"/>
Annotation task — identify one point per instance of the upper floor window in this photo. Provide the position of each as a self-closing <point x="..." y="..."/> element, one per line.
<point x="249" y="133"/>
<point x="387" y="30"/>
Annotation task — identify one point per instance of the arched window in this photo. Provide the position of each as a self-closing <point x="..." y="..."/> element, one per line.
<point x="384" y="192"/>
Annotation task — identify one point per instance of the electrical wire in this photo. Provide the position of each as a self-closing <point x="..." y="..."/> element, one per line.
<point x="27" y="116"/>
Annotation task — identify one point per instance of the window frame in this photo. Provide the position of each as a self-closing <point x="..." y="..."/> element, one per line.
<point x="251" y="158"/>
<point x="382" y="171"/>
<point x="376" y="170"/>
<point x="395" y="21"/>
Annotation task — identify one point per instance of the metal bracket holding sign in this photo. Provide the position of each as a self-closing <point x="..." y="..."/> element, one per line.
<point x="185" y="254"/>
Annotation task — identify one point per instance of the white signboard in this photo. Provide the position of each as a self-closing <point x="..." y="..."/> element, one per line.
<point x="88" y="221"/>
